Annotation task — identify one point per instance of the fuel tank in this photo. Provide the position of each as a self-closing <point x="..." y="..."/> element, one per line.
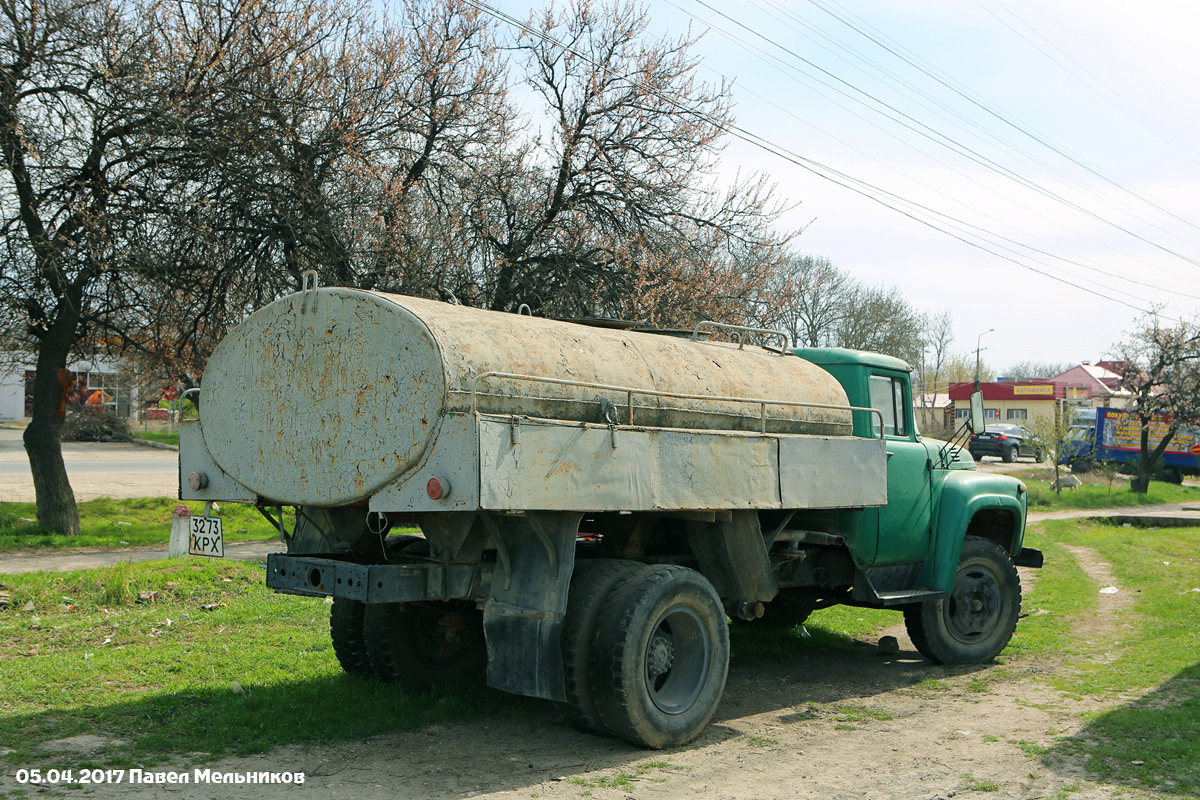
<point x="326" y="396"/>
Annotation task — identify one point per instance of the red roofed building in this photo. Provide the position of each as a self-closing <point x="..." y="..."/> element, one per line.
<point x="1016" y="402"/>
<point x="1101" y="384"/>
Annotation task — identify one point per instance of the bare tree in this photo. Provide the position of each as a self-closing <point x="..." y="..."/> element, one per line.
<point x="1162" y="372"/>
<point x="960" y="368"/>
<point x="816" y="295"/>
<point x="1027" y="370"/>
<point x="881" y="320"/>
<point x="938" y="335"/>
<point x="630" y="141"/>
<point x="1050" y="433"/>
<point x="104" y="108"/>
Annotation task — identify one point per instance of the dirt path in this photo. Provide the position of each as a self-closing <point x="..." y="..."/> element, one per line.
<point x="828" y="724"/>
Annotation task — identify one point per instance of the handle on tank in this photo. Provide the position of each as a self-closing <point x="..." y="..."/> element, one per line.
<point x="783" y="337"/>
<point x="309" y="283"/>
<point x="630" y="391"/>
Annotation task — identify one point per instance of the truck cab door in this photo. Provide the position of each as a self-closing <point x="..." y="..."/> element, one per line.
<point x="904" y="523"/>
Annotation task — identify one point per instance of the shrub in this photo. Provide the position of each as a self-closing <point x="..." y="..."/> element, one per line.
<point x="84" y="424"/>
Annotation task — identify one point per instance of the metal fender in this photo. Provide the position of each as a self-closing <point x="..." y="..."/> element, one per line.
<point x="963" y="495"/>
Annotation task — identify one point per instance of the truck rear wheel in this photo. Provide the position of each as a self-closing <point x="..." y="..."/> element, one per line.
<point x="976" y="621"/>
<point x="590" y="590"/>
<point x="661" y="655"/>
<point x="346" y="631"/>
<point x="424" y="644"/>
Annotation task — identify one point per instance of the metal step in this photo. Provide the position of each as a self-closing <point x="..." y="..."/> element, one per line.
<point x="905" y="596"/>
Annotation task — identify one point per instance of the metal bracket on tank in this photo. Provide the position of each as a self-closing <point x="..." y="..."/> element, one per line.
<point x="514" y="433"/>
<point x="725" y="326"/>
<point x="608" y="410"/>
<point x="310" y="282"/>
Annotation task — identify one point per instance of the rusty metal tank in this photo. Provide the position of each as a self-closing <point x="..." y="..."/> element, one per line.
<point x="327" y="396"/>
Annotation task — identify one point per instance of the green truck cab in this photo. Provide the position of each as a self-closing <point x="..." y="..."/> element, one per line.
<point x="945" y="547"/>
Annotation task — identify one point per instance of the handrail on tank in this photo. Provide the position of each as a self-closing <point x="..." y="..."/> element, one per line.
<point x="741" y="344"/>
<point x="631" y="391"/>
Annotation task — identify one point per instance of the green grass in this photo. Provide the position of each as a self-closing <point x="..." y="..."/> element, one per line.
<point x="118" y="523"/>
<point x="169" y="677"/>
<point x="1099" y="495"/>
<point x="162" y="437"/>
<point x="861" y="714"/>
<point x="839" y="627"/>
<point x="1155" y="651"/>
<point x="1158" y="633"/>
<point x="973" y="784"/>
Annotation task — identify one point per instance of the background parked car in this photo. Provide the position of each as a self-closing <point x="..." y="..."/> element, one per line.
<point x="1009" y="442"/>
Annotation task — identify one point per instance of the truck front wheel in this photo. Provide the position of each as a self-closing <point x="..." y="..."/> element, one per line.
<point x="976" y="621"/>
<point x="661" y="654"/>
<point x="424" y="644"/>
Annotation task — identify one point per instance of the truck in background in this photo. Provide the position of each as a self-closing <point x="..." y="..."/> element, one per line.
<point x="1114" y="436"/>
<point x="594" y="502"/>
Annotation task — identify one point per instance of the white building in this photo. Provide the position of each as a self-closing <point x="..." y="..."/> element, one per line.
<point x="92" y="375"/>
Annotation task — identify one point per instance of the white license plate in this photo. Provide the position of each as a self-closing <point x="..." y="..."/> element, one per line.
<point x="205" y="538"/>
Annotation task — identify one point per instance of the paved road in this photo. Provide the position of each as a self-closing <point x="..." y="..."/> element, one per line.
<point x="95" y="470"/>
<point x="65" y="561"/>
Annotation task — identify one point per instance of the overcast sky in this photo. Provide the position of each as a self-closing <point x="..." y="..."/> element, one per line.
<point x="1070" y="128"/>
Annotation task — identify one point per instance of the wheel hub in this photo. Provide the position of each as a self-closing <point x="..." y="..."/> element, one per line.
<point x="972" y="605"/>
<point x="659" y="656"/>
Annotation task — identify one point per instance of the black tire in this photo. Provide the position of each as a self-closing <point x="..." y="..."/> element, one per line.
<point x="1173" y="475"/>
<point x="1009" y="454"/>
<point x="975" y="623"/>
<point x="346" y="631"/>
<point x="590" y="590"/>
<point x="424" y="644"/>
<point x="1080" y="467"/>
<point x="661" y="657"/>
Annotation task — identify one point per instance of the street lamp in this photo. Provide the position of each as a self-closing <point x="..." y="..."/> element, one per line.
<point x="977" y="341"/>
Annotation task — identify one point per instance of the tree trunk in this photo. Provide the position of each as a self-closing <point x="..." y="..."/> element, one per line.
<point x="56" y="508"/>
<point x="1141" y="483"/>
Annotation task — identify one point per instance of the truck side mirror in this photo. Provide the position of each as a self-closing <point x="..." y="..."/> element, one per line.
<point x="977" y="421"/>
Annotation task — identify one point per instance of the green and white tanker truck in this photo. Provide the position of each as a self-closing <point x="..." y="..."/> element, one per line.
<point x="593" y="503"/>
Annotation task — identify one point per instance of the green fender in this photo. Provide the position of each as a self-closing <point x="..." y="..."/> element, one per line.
<point x="958" y="498"/>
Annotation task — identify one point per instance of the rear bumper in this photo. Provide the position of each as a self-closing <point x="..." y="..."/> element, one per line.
<point x="319" y="576"/>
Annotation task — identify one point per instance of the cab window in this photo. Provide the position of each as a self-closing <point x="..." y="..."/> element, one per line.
<point x="887" y="397"/>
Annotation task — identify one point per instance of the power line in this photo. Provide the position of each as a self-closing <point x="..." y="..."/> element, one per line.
<point x="768" y="59"/>
<point x="970" y="153"/>
<point x="1001" y="116"/>
<point x="830" y="174"/>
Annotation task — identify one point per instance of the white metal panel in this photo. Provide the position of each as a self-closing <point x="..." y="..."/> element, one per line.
<point x="194" y="457"/>
<point x="696" y="470"/>
<point x="563" y="467"/>
<point x="454" y="457"/>
<point x="832" y="472"/>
